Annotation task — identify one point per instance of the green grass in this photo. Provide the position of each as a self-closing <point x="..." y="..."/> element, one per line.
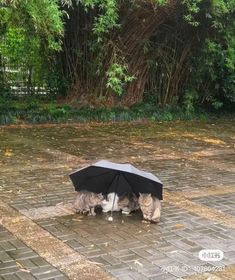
<point x="32" y="110"/>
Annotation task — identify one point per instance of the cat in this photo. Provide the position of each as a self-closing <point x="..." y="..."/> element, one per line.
<point x="85" y="202"/>
<point x="150" y="206"/>
<point x="116" y="203"/>
<point x="128" y="203"/>
<point x="111" y="203"/>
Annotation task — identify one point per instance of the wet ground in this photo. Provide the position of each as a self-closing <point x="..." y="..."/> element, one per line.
<point x="40" y="238"/>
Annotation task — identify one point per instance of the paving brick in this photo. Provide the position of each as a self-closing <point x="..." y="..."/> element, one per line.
<point x="111" y="259"/>
<point x="4" y="236"/>
<point x="164" y="277"/>
<point x="100" y="261"/>
<point x="150" y="272"/>
<point x="6" y="246"/>
<point x="107" y="248"/>
<point x="17" y="244"/>
<point x="25" y="275"/>
<point x="11" y="277"/>
<point x="42" y="270"/>
<point x="119" y="273"/>
<point x="136" y="276"/>
<point x="129" y="258"/>
<point x="162" y="262"/>
<point x="9" y="264"/>
<point x="122" y="253"/>
<point x="91" y="252"/>
<point x="126" y="277"/>
<point x="22" y="254"/>
<point x="84" y="241"/>
<point x="116" y="267"/>
<point x="4" y="257"/>
<point x="141" y="252"/>
<point x="48" y="275"/>
<point x="8" y="271"/>
<point x="74" y="244"/>
<point x="28" y="263"/>
<point x="61" y="277"/>
<point x="39" y="261"/>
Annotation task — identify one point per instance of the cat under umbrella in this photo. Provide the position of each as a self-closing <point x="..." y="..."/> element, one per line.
<point x="117" y="187"/>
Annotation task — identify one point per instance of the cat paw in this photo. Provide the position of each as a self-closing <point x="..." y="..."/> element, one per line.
<point x="145" y="222"/>
<point x="156" y="221"/>
<point x="126" y="212"/>
<point x="92" y="214"/>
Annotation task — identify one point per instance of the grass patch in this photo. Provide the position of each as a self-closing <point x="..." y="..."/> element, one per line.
<point x="32" y="110"/>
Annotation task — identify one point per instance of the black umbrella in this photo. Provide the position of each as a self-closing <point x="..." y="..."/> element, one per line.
<point x="106" y="177"/>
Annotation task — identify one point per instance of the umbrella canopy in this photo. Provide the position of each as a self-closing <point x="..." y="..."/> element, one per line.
<point x="105" y="177"/>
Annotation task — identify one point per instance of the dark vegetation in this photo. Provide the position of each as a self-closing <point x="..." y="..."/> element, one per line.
<point x="116" y="60"/>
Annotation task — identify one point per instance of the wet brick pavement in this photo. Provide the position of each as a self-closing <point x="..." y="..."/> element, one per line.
<point x="130" y="248"/>
<point x="224" y="203"/>
<point x="35" y="163"/>
<point x="19" y="262"/>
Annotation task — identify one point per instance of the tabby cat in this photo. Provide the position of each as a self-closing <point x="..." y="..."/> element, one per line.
<point x="150" y="206"/>
<point x="128" y="204"/>
<point x="85" y="202"/>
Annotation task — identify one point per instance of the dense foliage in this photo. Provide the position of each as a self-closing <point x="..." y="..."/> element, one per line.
<point x="120" y="53"/>
<point x="30" y="31"/>
<point x="215" y="75"/>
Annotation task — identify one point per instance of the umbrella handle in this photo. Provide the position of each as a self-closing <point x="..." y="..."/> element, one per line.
<point x="115" y="193"/>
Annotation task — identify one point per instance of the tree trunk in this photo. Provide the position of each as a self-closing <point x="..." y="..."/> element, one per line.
<point x="140" y="25"/>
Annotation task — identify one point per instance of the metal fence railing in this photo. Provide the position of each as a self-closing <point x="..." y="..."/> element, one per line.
<point x="19" y="80"/>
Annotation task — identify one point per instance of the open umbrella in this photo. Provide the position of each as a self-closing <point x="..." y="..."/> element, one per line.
<point x="106" y="177"/>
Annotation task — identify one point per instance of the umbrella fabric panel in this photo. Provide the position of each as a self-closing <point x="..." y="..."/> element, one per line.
<point x="96" y="179"/>
<point x="142" y="185"/>
<point x="126" y="168"/>
<point x="93" y="179"/>
<point x="120" y="185"/>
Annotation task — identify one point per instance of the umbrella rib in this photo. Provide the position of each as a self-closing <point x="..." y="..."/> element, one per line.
<point x="129" y="182"/>
<point x="123" y="174"/>
<point x="115" y="193"/>
<point x="111" y="182"/>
